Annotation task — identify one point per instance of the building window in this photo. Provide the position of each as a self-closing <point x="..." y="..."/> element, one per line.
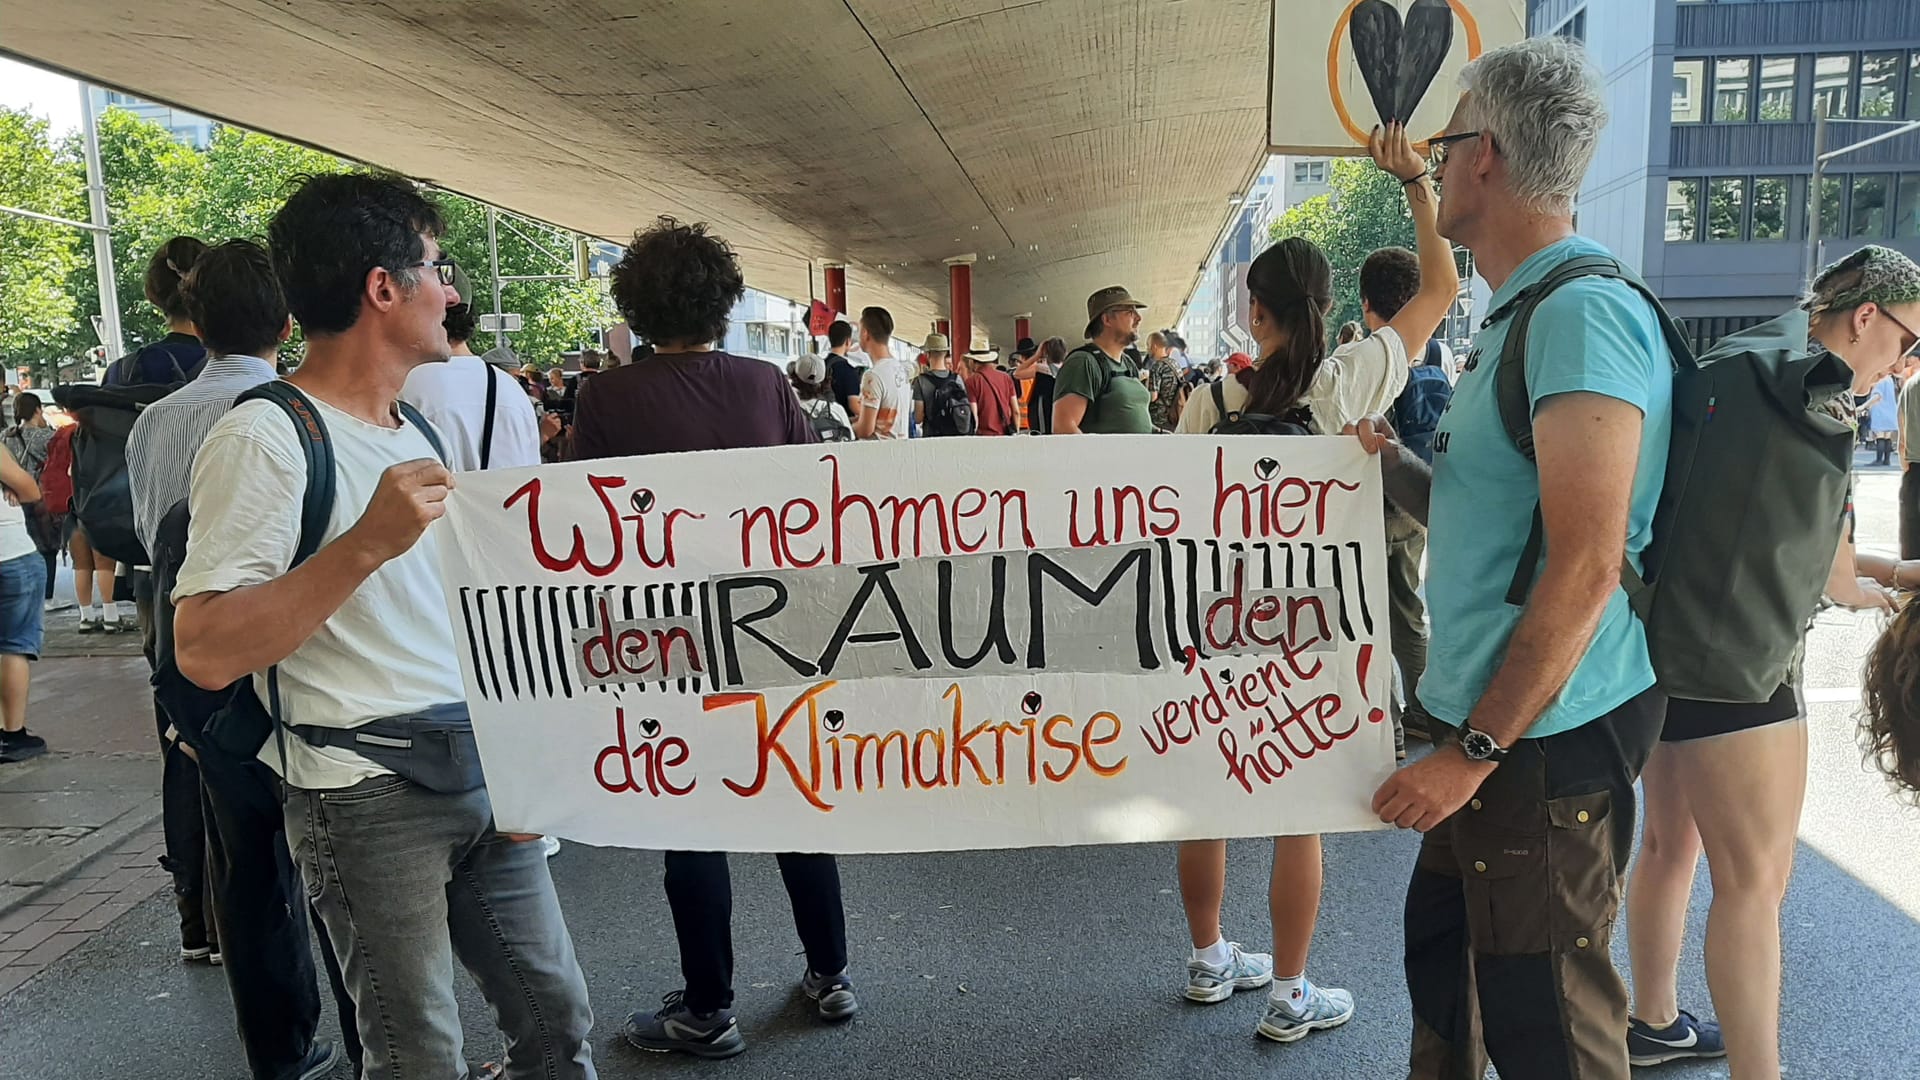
<point x="1832" y="194"/>
<point x="1832" y="86"/>
<point x="1770" y="195"/>
<point x="1913" y="86"/>
<point x="1726" y="207"/>
<point x="1683" y="201"/>
<point x="1689" y="80"/>
<point x="1867" y="212"/>
<point x="1732" y="80"/>
<point x="1576" y="27"/>
<point x="1879" y="85"/>
<point x="1778" y="76"/>
<point x="1906" y="222"/>
<point x="1309" y="172"/>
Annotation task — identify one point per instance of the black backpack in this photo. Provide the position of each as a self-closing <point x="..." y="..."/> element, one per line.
<point x="102" y="494"/>
<point x="826" y="425"/>
<point x="232" y="719"/>
<point x="949" y="410"/>
<point x="1299" y="421"/>
<point x="1750" y="516"/>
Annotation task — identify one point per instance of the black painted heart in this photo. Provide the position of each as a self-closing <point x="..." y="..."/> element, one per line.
<point x="649" y="727"/>
<point x="1265" y="468"/>
<point x="835" y="719"/>
<point x="1031" y="703"/>
<point x="642" y="500"/>
<point x="1226" y="677"/>
<point x="1398" y="58"/>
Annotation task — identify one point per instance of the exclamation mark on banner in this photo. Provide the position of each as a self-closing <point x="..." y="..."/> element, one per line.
<point x="1374" y="716"/>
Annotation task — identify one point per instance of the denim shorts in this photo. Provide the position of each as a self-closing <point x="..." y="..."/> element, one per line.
<point x="23" y="586"/>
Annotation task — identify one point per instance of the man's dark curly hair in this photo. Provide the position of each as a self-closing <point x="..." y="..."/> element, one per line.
<point x="1388" y="279"/>
<point x="676" y="284"/>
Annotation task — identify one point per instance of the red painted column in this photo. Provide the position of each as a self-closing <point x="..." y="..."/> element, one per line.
<point x="1022" y="327"/>
<point x="943" y="328"/>
<point x="960" y="307"/>
<point x="837" y="288"/>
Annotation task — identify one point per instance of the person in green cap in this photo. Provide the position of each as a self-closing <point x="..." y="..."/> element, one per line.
<point x="1730" y="778"/>
<point x="1099" y="390"/>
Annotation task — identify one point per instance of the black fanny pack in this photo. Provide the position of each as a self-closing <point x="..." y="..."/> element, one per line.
<point x="434" y="748"/>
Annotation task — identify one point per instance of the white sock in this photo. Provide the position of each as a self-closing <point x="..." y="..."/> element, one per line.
<point x="1215" y="955"/>
<point x="1290" y="991"/>
<point x="112" y="610"/>
<point x="91" y="614"/>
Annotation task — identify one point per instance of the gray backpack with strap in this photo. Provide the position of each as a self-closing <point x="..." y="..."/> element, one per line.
<point x="1756" y="489"/>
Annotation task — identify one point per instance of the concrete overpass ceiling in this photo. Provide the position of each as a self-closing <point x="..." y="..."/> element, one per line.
<point x="1069" y="144"/>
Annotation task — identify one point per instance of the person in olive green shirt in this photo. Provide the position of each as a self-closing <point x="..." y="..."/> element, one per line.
<point x="1099" y="390"/>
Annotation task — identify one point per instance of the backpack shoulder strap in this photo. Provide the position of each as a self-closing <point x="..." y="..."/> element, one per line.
<point x="1220" y="401"/>
<point x="412" y="416"/>
<point x="317" y="507"/>
<point x="486" y="426"/>
<point x="1510" y="376"/>
<point x="1516" y="403"/>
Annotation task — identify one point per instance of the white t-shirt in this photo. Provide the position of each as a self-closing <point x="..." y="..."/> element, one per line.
<point x="888" y="388"/>
<point x="390" y="648"/>
<point x="1359" y="379"/>
<point x="15" y="541"/>
<point x="453" y="398"/>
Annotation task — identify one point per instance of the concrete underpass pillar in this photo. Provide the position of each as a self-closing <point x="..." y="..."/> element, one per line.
<point x="837" y="288"/>
<point x="960" y="308"/>
<point x="1022" y="327"/>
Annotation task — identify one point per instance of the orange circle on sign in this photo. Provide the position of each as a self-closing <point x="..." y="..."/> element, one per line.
<point x="1333" y="61"/>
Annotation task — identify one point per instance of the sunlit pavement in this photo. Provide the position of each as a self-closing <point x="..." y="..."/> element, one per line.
<point x="1068" y="963"/>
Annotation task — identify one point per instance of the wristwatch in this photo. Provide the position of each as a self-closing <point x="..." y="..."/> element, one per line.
<point x="1479" y="746"/>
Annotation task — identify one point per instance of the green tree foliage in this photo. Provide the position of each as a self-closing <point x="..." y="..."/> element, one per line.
<point x="158" y="188"/>
<point x="36" y="258"/>
<point x="1363" y="212"/>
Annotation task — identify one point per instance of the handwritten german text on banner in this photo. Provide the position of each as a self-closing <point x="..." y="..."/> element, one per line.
<point x="942" y="644"/>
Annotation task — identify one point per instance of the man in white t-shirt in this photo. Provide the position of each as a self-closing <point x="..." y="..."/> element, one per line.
<point x="406" y="877"/>
<point x="886" y="390"/>
<point x="453" y="397"/>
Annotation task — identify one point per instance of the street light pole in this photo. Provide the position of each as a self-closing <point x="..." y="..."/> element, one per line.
<point x="1822" y="155"/>
<point x="102" y="240"/>
<point x="493" y="259"/>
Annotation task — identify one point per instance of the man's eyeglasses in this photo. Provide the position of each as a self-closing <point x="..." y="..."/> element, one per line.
<point x="1912" y="349"/>
<point x="443" y="267"/>
<point x="1440" y="146"/>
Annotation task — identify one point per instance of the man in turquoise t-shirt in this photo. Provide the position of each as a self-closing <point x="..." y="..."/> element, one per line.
<point x="1528" y="802"/>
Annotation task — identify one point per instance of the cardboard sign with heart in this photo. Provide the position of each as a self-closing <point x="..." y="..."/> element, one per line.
<point x="1342" y="66"/>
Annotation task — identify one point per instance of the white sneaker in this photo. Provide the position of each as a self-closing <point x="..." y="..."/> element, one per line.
<point x="551" y="844"/>
<point x="1242" y="971"/>
<point x="1287" y="1021"/>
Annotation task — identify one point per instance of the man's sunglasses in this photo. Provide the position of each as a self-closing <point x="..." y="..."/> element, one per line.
<point x="1440" y="146"/>
<point x="443" y="267"/>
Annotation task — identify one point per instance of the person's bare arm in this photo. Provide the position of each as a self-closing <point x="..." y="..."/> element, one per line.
<point x="16" y="479"/>
<point x="1439" y="277"/>
<point x="1850" y="588"/>
<point x="1588" y="448"/>
<point x="218" y="637"/>
<point x="1068" y="411"/>
<point x="1407" y="479"/>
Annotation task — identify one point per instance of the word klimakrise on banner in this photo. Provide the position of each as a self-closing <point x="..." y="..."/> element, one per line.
<point x="930" y="645"/>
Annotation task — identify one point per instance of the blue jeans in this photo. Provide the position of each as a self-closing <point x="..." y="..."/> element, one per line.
<point x="408" y="880"/>
<point x="21" y="582"/>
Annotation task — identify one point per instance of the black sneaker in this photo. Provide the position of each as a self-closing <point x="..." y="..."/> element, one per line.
<point x="1683" y="1039"/>
<point x="319" y="1061"/>
<point x="832" y="995"/>
<point x="676" y="1027"/>
<point x="20" y="746"/>
<point x="92" y="626"/>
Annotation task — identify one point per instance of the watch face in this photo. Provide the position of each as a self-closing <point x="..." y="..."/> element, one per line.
<point x="1478" y="745"/>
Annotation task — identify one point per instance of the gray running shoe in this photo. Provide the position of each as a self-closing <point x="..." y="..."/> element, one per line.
<point x="1315" y="1009"/>
<point x="676" y="1027"/>
<point x="1242" y="971"/>
<point x="832" y="995"/>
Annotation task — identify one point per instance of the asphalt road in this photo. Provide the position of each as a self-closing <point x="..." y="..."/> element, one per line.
<point x="1068" y="963"/>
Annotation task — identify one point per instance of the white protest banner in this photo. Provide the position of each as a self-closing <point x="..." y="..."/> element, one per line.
<point x="928" y="645"/>
<point x="1342" y="66"/>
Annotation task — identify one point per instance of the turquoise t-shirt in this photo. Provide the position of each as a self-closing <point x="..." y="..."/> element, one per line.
<point x="1594" y="335"/>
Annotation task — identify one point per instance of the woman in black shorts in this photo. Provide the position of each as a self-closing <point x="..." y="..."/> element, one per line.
<point x="1730" y="778"/>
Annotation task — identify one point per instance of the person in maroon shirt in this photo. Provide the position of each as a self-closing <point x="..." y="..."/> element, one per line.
<point x="675" y="285"/>
<point x="995" y="398"/>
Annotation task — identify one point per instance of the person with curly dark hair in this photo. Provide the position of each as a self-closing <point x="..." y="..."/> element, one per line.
<point x="675" y="286"/>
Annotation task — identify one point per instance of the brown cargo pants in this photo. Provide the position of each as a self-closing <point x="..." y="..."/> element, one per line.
<point x="1511" y="910"/>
